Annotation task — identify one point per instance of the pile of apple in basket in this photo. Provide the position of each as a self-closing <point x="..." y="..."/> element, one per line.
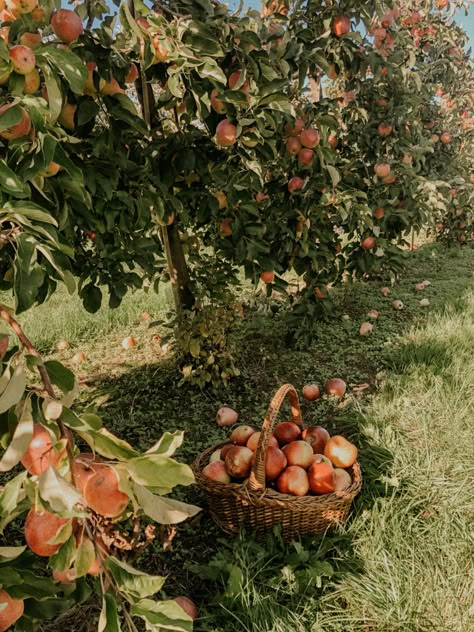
<point x="298" y="461"/>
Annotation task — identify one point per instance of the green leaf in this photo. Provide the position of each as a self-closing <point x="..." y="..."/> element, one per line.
<point x="334" y="173"/>
<point x="60" y="375"/>
<point x="194" y="347"/>
<point x="11" y="116"/>
<point x="14" y="390"/>
<point x="133" y="582"/>
<point x="28" y="277"/>
<point x="163" y="510"/>
<point x="85" y="557"/>
<point x="108" y="445"/>
<point x="32" y="211"/>
<point x="55" y="98"/>
<point x="64" y="556"/>
<point x="109" y="619"/>
<point x="9" y="553"/>
<point x="162" y="615"/>
<point x="159" y="472"/>
<point x="66" y="275"/>
<point x="67" y="64"/>
<point x="167" y="444"/>
<point x="10" y="498"/>
<point x="20" y="441"/>
<point x="11" y="183"/>
<point x="86" y="422"/>
<point x="57" y="492"/>
<point x="91" y="297"/>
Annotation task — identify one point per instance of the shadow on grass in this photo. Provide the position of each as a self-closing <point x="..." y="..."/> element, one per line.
<point x="145" y="402"/>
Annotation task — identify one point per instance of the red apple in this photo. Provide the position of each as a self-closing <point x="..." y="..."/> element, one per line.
<point x="299" y="453"/>
<point x="311" y="392"/>
<point x="286" y="432"/>
<point x="368" y="243"/>
<point x="336" y="386"/>
<point x="343" y="479"/>
<point x="293" y="480"/>
<point x="342" y="452"/>
<point x="238" y="461"/>
<point x="226" y="416"/>
<point x="317" y="437"/>
<point x="217" y="471"/>
<point x="252" y="443"/>
<point x="309" y="138"/>
<point x="321" y="478"/>
<point x="341" y="25"/>
<point x="241" y="434"/>
<point x="295" y="184"/>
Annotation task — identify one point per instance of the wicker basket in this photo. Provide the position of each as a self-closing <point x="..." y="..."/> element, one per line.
<point x="259" y="507"/>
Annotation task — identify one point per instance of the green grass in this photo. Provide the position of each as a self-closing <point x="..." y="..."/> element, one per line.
<point x="404" y="561"/>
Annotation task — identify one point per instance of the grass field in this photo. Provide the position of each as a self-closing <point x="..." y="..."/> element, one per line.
<point x="405" y="560"/>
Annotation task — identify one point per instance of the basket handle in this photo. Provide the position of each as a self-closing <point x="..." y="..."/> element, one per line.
<point x="256" y="480"/>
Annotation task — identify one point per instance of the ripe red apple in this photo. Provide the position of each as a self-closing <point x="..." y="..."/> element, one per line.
<point x="336" y="386"/>
<point x="320" y="458"/>
<point x="343" y="479"/>
<point x="31" y="40"/>
<point x="297" y="129"/>
<point x="310" y="392"/>
<point x="10" y="610"/>
<point x="293" y="146"/>
<point x="253" y="440"/>
<point x="299" y="453"/>
<point x="293" y="480"/>
<point x="275" y="463"/>
<point x="217" y="472"/>
<point x="235" y="78"/>
<point x="23" y="59"/>
<point x="384" y="130"/>
<point x="321" y="478"/>
<point x="286" y="432"/>
<point x="66" y="117"/>
<point x="40" y="453"/>
<point x="368" y="243"/>
<point x="382" y="169"/>
<point x="226" y="416"/>
<point x="295" y="184"/>
<point x="78" y="357"/>
<point x="216" y="104"/>
<point x="102" y="493"/>
<point x="128" y="343"/>
<point x="37" y="15"/>
<point x="390" y="179"/>
<point x="305" y="156"/>
<point x="316" y="437"/>
<point x="341" y="25"/>
<point x="342" y="452"/>
<point x="221" y="198"/>
<point x="365" y="329"/>
<point x="241" y="435"/>
<point x="373" y="313"/>
<point x="132" y="74"/>
<point x="40" y="528"/>
<point x="226" y="133"/>
<point x="397" y="305"/>
<point x="238" y="461"/>
<point x="333" y="141"/>
<point x="379" y="212"/>
<point x="225" y="227"/>
<point x="187" y="605"/>
<point x="445" y="138"/>
<point x="309" y="138"/>
<point x="385" y="291"/>
<point x="85" y="465"/>
<point x="67" y="25"/>
<point x="267" y="276"/>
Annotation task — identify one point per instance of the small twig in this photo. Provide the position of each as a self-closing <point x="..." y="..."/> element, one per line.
<point x="159" y="5"/>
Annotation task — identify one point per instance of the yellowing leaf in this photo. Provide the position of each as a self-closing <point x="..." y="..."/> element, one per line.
<point x="20" y="441"/>
<point x="163" y="510"/>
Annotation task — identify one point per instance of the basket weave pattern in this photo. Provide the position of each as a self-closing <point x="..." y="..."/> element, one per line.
<point x="259" y="507"/>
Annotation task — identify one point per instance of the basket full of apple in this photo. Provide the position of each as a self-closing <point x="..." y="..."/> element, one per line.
<point x="300" y="478"/>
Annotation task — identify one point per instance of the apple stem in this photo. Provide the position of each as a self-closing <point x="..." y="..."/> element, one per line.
<point x="48" y="386"/>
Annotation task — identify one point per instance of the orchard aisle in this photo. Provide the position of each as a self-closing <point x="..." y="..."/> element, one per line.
<point x="404" y="562"/>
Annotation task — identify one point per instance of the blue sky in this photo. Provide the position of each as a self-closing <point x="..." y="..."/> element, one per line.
<point x="467" y="22"/>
